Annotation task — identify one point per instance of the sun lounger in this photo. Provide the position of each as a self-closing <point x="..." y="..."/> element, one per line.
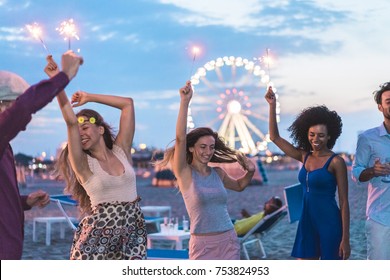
<point x="63" y="199"/>
<point x="255" y="234"/>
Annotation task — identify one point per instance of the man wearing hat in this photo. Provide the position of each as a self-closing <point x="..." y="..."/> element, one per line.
<point x="17" y="104"/>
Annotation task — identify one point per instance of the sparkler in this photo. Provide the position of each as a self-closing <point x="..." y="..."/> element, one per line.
<point x="68" y="30"/>
<point x="268" y="60"/>
<point x="195" y="51"/>
<point x="36" y="32"/>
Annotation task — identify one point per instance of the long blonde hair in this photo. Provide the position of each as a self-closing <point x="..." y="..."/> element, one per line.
<point x="63" y="168"/>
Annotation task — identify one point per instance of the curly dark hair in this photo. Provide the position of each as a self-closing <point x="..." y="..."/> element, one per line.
<point x="312" y="116"/>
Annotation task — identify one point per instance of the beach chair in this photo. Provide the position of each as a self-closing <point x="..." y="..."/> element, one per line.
<point x="49" y="221"/>
<point x="61" y="200"/>
<point x="293" y="195"/>
<point x="255" y="234"/>
<point x="153" y="224"/>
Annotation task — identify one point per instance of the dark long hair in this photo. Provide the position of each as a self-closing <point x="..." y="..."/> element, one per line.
<point x="222" y="153"/>
<point x="63" y="168"/>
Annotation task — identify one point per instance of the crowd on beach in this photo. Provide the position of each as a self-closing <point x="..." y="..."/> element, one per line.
<point x="97" y="168"/>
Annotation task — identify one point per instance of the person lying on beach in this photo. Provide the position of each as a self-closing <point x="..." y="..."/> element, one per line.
<point x="16" y="110"/>
<point x="242" y="226"/>
<point x="97" y="167"/>
<point x="204" y="187"/>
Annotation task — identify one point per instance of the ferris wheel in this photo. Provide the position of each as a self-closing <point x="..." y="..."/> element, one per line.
<point x="229" y="97"/>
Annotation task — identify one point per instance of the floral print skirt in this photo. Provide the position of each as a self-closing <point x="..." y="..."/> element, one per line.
<point x="114" y="231"/>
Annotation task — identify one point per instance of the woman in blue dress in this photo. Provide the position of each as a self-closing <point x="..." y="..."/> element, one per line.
<point x="323" y="230"/>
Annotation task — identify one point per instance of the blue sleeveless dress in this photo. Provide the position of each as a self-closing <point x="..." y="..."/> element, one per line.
<point x="320" y="230"/>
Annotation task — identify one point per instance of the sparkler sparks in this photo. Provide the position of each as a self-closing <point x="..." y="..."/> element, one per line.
<point x="267" y="61"/>
<point x="195" y="51"/>
<point x="68" y="30"/>
<point x="36" y="32"/>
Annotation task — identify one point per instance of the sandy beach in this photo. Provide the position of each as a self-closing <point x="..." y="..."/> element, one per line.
<point x="277" y="243"/>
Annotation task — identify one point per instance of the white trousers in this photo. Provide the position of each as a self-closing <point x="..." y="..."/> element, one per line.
<point x="378" y="241"/>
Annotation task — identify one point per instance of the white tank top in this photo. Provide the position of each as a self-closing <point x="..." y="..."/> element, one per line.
<point x="102" y="187"/>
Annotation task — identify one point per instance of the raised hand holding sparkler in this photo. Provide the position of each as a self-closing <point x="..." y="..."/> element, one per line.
<point x="68" y="30"/>
<point x="36" y="32"/>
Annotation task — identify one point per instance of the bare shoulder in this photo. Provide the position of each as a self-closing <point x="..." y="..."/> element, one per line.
<point x="338" y="162"/>
<point x="184" y="178"/>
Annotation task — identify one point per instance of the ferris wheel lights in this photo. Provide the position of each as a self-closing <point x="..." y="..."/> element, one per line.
<point x="234" y="107"/>
<point x="201" y="71"/>
<point x="209" y="66"/>
<point x="265" y="79"/>
<point x="234" y="104"/>
<point x="261" y="147"/>
<point x="250" y="65"/>
<point x="194" y="81"/>
<point x="219" y="63"/>
<point x="239" y="62"/>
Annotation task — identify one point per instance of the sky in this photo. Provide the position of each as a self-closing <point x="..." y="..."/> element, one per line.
<point x="324" y="52"/>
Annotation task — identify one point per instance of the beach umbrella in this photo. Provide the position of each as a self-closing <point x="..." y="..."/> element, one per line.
<point x="11" y="85"/>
